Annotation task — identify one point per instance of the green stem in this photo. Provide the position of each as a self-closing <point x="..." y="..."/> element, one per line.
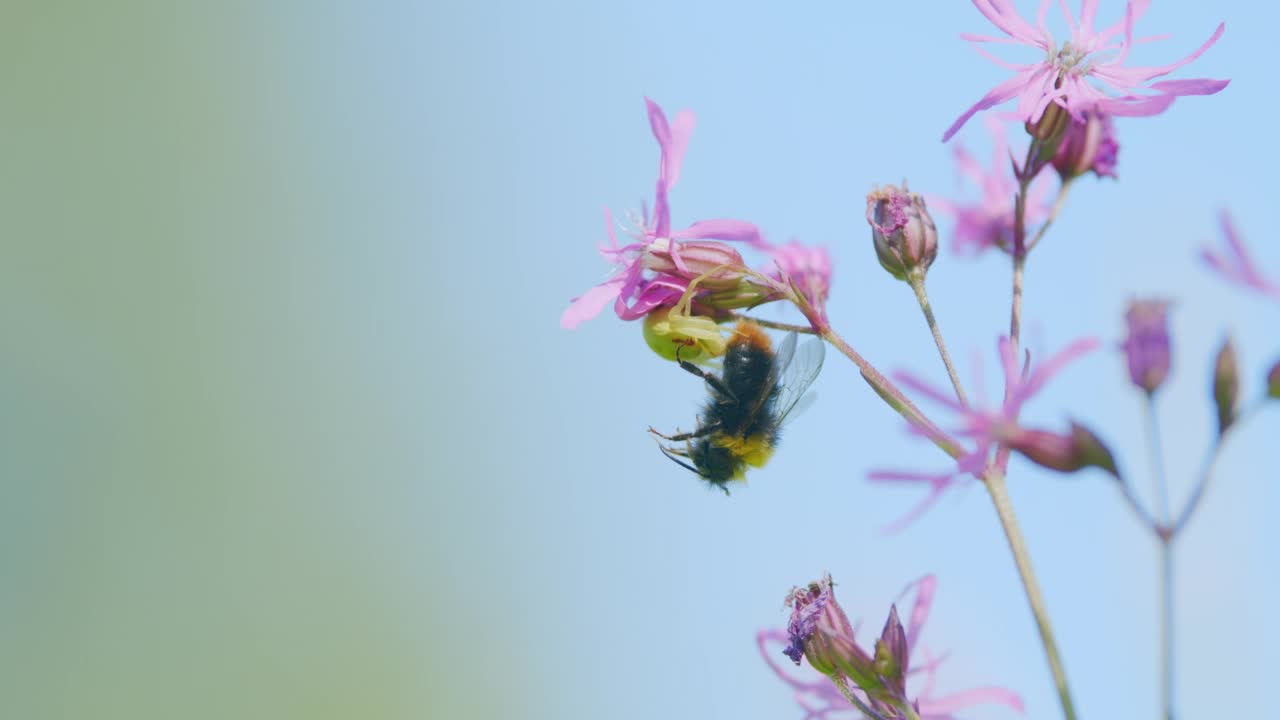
<point x="1206" y="472"/>
<point x="856" y="701"/>
<point x="882" y="386"/>
<point x="892" y="395"/>
<point x="916" y="280"/>
<point x="995" y="483"/>
<point x="802" y="329"/>
<point x="1166" y="558"/>
<point x="1058" y="202"/>
<point x="1166" y="626"/>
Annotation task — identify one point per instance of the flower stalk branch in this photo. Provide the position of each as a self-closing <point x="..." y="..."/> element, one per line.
<point x="773" y="325"/>
<point x="996" y="487"/>
<point x="883" y="386"/>
<point x="916" y="280"/>
<point x="1166" y="559"/>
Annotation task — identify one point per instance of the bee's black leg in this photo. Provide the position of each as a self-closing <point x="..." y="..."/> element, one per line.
<point x="710" y="379"/>
<point x="681" y="463"/>
<point x="703" y="431"/>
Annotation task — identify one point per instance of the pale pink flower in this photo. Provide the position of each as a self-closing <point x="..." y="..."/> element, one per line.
<point x="806" y="267"/>
<point x="1235" y="263"/>
<point x="636" y="289"/>
<point x="820" y="700"/>
<point x="984" y="427"/>
<point x="989" y="221"/>
<point x="1086" y="73"/>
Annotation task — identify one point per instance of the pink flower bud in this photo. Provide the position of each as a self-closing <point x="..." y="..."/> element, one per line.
<point x="905" y="237"/>
<point x="1226" y="385"/>
<point x="1147" y="346"/>
<point x="1089" y="145"/>
<point x="1068" y="453"/>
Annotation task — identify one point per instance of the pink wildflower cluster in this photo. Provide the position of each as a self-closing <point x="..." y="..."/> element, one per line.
<point x="657" y="269"/>
<point x="818" y="696"/>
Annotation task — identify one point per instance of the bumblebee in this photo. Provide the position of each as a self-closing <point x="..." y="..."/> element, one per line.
<point x="756" y="391"/>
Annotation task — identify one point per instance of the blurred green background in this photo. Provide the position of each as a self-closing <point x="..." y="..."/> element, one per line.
<point x="287" y="428"/>
<point x="216" y="495"/>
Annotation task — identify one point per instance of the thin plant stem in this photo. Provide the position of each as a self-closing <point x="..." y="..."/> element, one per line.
<point x="856" y="701"/>
<point x="1157" y="458"/>
<point x="882" y="385"/>
<point x="995" y="483"/>
<point x="994" y="478"/>
<point x="1166" y="559"/>
<point x="1015" y="310"/>
<point x="1141" y="512"/>
<point x="1166" y="628"/>
<point x="916" y="280"/>
<point x="1197" y="493"/>
<point x="1059" y="202"/>
<point x="802" y="329"/>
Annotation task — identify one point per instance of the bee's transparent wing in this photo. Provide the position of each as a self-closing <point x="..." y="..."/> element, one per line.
<point x="798" y="373"/>
<point x="786" y="352"/>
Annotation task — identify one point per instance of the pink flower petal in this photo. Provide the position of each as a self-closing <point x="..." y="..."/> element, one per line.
<point x="1000" y="93"/>
<point x="589" y="304"/>
<point x="720" y="229"/>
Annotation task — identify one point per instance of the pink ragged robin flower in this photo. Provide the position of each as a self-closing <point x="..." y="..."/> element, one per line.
<point x="1086" y="73"/>
<point x="989" y="221"/>
<point x="984" y="427"/>
<point x="1236" y="265"/>
<point x="652" y="271"/>
<point x="820" y="700"/>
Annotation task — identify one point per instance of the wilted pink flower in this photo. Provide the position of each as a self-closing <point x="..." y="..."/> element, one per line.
<point x="985" y="427"/>
<point x="989" y="222"/>
<point x="819" y="629"/>
<point x="820" y="699"/>
<point x="808" y="268"/>
<point x="636" y="289"/>
<point x="1236" y="265"/>
<point x="1086" y="73"/>
<point x="902" y="231"/>
<point x="1146" y="346"/>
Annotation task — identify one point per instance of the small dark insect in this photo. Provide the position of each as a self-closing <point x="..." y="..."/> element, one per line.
<point x="739" y="425"/>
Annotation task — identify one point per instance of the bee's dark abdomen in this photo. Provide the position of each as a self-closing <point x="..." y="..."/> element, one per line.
<point x="746" y="369"/>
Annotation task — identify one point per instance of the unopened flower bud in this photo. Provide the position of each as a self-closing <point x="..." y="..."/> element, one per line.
<point x="1089" y="145"/>
<point x="1147" y="346"/>
<point x="1226" y="385"/>
<point x="1052" y="124"/>
<point x="1068" y="453"/>
<point x="695" y="338"/>
<point x="746" y="293"/>
<point x="891" y="659"/>
<point x="905" y="237"/>
<point x="1273" y="382"/>
<point x="719" y="265"/>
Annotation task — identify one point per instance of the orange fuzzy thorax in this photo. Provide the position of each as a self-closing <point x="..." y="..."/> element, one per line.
<point x="749" y="333"/>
